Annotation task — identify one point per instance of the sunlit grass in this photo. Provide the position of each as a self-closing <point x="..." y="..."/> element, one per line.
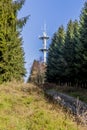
<point x="24" y="107"/>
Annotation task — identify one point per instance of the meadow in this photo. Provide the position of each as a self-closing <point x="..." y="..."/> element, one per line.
<point x="24" y="107"/>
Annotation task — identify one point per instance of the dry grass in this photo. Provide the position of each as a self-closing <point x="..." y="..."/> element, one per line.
<point x="24" y="107"/>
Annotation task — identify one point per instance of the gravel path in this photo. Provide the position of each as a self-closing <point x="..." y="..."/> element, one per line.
<point x="76" y="106"/>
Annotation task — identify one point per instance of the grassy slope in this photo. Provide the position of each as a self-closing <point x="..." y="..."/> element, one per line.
<point x="23" y="107"/>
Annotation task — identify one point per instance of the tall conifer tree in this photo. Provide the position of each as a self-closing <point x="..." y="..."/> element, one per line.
<point x="55" y="56"/>
<point x="76" y="43"/>
<point x="68" y="50"/>
<point x="11" y="50"/>
<point x="83" y="45"/>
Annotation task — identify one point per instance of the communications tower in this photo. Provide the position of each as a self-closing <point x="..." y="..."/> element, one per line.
<point x="44" y="38"/>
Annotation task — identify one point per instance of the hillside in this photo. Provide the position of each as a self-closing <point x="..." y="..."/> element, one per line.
<point x="24" y="107"/>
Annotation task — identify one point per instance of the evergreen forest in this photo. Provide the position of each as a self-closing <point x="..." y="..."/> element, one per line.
<point x="67" y="55"/>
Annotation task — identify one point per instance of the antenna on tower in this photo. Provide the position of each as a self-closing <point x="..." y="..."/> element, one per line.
<point x="44" y="27"/>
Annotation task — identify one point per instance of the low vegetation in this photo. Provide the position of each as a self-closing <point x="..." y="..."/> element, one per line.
<point x="80" y="93"/>
<point x="24" y="107"/>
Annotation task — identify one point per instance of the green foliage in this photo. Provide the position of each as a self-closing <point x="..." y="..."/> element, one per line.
<point x="67" y="55"/>
<point x="83" y="44"/>
<point x="54" y="60"/>
<point x="11" y="50"/>
<point x="70" y="52"/>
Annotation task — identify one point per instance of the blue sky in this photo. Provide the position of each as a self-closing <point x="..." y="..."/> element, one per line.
<point x="53" y="13"/>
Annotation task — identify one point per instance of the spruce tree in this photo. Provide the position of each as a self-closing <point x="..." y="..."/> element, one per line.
<point x="59" y="60"/>
<point x="76" y="43"/>
<point x="50" y="73"/>
<point x="11" y="50"/>
<point x="68" y="51"/>
<point x="54" y="60"/>
<point x="83" y="45"/>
